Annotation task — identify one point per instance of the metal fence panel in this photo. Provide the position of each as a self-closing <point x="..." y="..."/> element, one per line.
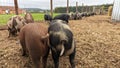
<point x="116" y="11"/>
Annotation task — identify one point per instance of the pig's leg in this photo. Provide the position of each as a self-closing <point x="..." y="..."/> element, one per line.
<point x="24" y="50"/>
<point x="55" y="57"/>
<point x="44" y="59"/>
<point x="71" y="59"/>
<point x="35" y="59"/>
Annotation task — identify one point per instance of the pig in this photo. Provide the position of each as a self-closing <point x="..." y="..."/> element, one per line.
<point x="72" y="16"/>
<point x="34" y="39"/>
<point x="92" y="13"/>
<point x="64" y="17"/>
<point x="47" y="17"/>
<point x="84" y="14"/>
<point x="61" y="42"/>
<point x="77" y="16"/>
<point x="88" y="14"/>
<point x="28" y="18"/>
<point x="15" y="23"/>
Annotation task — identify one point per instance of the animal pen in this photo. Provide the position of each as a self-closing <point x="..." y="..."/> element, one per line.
<point x="97" y="38"/>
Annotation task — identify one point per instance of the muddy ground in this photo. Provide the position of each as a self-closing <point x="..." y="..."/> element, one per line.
<point x="97" y="43"/>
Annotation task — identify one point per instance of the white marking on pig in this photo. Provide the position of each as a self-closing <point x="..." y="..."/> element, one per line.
<point x="61" y="34"/>
<point x="65" y="26"/>
<point x="61" y="48"/>
<point x="62" y="51"/>
<point x="70" y="51"/>
<point x="62" y="24"/>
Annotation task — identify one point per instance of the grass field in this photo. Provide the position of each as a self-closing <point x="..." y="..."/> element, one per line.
<point x="36" y="16"/>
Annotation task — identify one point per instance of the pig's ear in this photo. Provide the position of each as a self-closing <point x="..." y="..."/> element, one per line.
<point x="45" y="39"/>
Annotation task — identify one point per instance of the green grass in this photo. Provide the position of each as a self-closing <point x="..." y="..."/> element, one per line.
<point x="37" y="17"/>
<point x="4" y="18"/>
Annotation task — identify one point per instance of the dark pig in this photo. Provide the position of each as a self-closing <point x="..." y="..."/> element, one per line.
<point x="61" y="42"/>
<point x="64" y="17"/>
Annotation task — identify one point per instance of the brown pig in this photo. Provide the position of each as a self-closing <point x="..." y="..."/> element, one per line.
<point x="29" y="18"/>
<point x="34" y="40"/>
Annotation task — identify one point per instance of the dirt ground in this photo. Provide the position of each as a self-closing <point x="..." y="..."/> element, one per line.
<point x="97" y="43"/>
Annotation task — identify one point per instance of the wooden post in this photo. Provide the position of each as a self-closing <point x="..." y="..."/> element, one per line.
<point x="16" y="7"/>
<point x="67" y="6"/>
<point x="86" y="8"/>
<point x="82" y="7"/>
<point x="76" y="6"/>
<point x="93" y="10"/>
<point x="51" y="7"/>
